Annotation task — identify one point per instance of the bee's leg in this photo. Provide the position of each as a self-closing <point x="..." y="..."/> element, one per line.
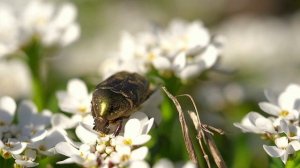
<point x="119" y="127"/>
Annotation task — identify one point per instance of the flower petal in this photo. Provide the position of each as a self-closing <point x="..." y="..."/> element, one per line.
<point x="163" y="163"/>
<point x="25" y="111"/>
<point x="139" y="164"/>
<point x="18" y="147"/>
<point x="179" y="61"/>
<point x="77" y="89"/>
<point x="269" y="108"/>
<point x="39" y="135"/>
<point x="26" y="163"/>
<point x="287" y="99"/>
<point x="261" y="123"/>
<point x="147" y="126"/>
<point x="139" y="154"/>
<point x="140" y="140"/>
<point x="161" y="63"/>
<point x="191" y="71"/>
<point x="273" y="151"/>
<point x="66" y="161"/>
<point x="282" y="142"/>
<point x="132" y="128"/>
<point x="210" y="56"/>
<point x="66" y="149"/>
<point x="7" y="109"/>
<point x="86" y="134"/>
<point x="62" y="121"/>
<point x="293" y="147"/>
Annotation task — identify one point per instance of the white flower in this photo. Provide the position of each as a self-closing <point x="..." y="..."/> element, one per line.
<point x="26" y="160"/>
<point x="103" y="150"/>
<point x="139" y="163"/>
<point x="62" y="122"/>
<point x="288" y="104"/>
<point x="256" y="123"/>
<point x="184" y="36"/>
<point x="163" y="163"/>
<point x="8" y="30"/>
<point x="46" y="145"/>
<point x="82" y="156"/>
<point x="76" y="99"/>
<point x="191" y="67"/>
<point x="183" y="49"/>
<point x="125" y="155"/>
<point x="135" y="132"/>
<point x="7" y="110"/>
<point x="54" y="25"/>
<point x="290" y="130"/>
<point x="12" y="146"/>
<point x="31" y="124"/>
<point x="83" y="131"/>
<point x="166" y="163"/>
<point x="15" y="77"/>
<point x="283" y="148"/>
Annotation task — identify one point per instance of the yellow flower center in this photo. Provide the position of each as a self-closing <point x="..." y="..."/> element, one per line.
<point x="151" y="56"/>
<point x="284" y="113"/>
<point x="125" y="158"/>
<point x="6" y="154"/>
<point x="82" y="109"/>
<point x="127" y="141"/>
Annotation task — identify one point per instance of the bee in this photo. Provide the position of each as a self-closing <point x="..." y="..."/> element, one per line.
<point x="117" y="98"/>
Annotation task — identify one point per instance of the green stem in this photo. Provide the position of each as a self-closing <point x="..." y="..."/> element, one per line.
<point x="293" y="161"/>
<point x="34" y="52"/>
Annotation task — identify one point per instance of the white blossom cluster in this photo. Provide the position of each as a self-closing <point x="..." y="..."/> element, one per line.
<point x="44" y="133"/>
<point x="21" y="21"/>
<point x="100" y="150"/>
<point x="183" y="50"/>
<point x="30" y="136"/>
<point x="281" y="127"/>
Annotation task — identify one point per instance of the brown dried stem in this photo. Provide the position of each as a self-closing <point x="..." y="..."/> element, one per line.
<point x="205" y="133"/>
<point x="184" y="128"/>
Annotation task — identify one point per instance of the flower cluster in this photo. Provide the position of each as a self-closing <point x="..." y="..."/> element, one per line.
<point x="40" y="19"/>
<point x="183" y="50"/>
<point x="281" y="127"/>
<point x="31" y="136"/>
<point x="100" y="150"/>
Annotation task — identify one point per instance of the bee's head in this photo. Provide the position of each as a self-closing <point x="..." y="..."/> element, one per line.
<point x="101" y="124"/>
<point x="101" y="103"/>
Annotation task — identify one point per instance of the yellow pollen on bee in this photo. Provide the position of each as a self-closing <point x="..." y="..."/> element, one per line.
<point x="127" y="141"/>
<point x="284" y="113"/>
